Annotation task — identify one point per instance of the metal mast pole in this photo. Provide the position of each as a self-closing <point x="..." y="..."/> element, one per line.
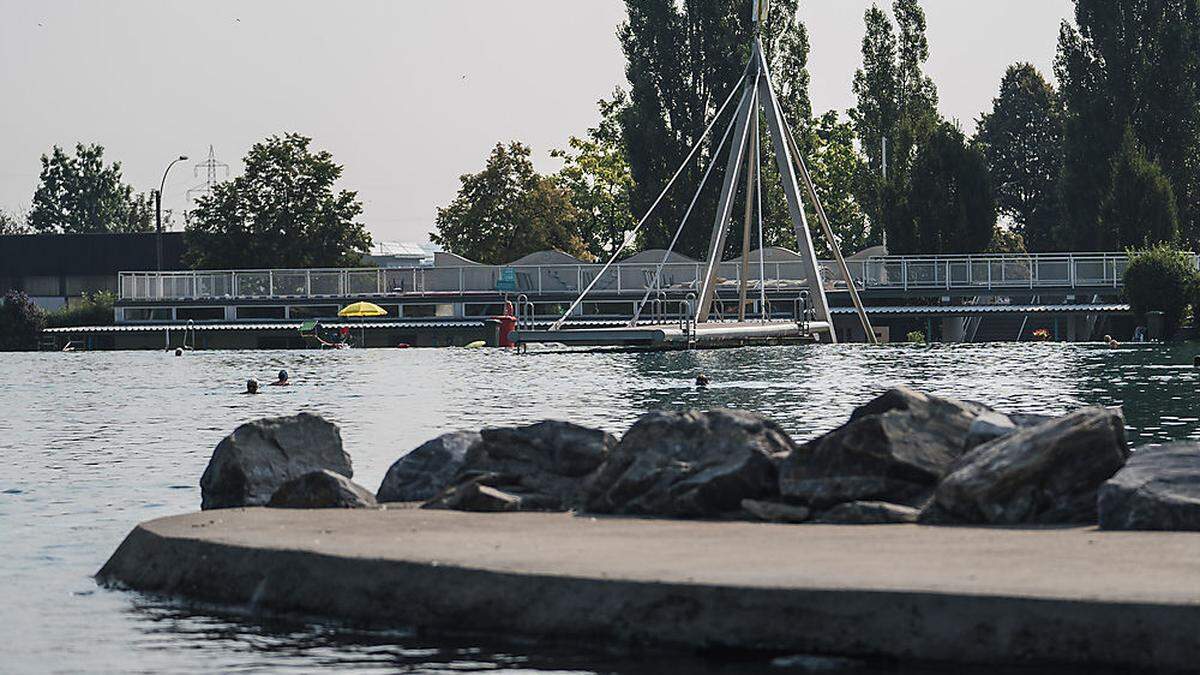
<point x="746" y="226"/>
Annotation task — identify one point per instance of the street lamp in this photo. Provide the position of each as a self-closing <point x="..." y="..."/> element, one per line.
<point x="158" y="211"/>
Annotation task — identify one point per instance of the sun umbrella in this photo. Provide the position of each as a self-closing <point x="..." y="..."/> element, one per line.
<point x="363" y="310"/>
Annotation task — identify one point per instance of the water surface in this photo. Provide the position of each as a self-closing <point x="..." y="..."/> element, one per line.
<point x="91" y="444"/>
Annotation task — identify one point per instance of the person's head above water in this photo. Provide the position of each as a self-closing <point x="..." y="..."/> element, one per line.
<point x="701" y="380"/>
<point x="282" y="381"/>
<point x="178" y="351"/>
<point x="283" y="376"/>
<point x="252" y="386"/>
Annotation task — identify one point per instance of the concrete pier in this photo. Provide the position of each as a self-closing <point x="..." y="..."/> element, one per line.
<point x="964" y="595"/>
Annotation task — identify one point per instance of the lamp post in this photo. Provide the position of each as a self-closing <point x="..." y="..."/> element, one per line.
<point x="158" y="212"/>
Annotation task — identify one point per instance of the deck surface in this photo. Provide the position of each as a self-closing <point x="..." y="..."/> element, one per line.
<point x="1071" y="595"/>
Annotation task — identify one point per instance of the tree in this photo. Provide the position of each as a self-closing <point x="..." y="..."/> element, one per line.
<point x="949" y="207"/>
<point x="508" y="210"/>
<point x="21" y="323"/>
<point x="81" y="195"/>
<point x="683" y="59"/>
<point x="1161" y="279"/>
<point x="1022" y="139"/>
<point x="835" y="165"/>
<point x="1135" y="63"/>
<point x="1139" y="210"/>
<point x="282" y="212"/>
<point x="11" y="223"/>
<point x="897" y="105"/>
<point x="596" y="174"/>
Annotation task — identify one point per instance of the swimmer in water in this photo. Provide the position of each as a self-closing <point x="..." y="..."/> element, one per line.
<point x="1111" y="342"/>
<point x="251" y="386"/>
<point x="282" y="381"/>
<point x="178" y="351"/>
<point x="702" y="381"/>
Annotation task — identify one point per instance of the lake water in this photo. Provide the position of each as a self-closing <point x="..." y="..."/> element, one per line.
<point x="91" y="444"/>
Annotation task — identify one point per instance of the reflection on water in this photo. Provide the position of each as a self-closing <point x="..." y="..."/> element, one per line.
<point x="91" y="444"/>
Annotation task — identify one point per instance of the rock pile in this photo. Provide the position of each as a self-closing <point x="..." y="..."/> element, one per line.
<point x="904" y="457"/>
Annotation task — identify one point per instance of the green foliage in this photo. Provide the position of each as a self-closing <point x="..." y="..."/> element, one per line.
<point x="80" y="194"/>
<point x="835" y="165"/>
<point x="1161" y="279"/>
<point x="949" y="207"/>
<point x="1005" y="240"/>
<point x="282" y="212"/>
<point x="11" y="224"/>
<point x="91" y="310"/>
<point x="508" y="210"/>
<point x="1022" y="139"/>
<point x="683" y="59"/>
<point x="1136" y="63"/>
<point x="21" y="323"/>
<point x="896" y="102"/>
<point x="596" y="173"/>
<point x="1139" y="210"/>
<point x="916" y="337"/>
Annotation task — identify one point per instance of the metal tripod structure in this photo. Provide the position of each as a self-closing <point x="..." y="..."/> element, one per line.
<point x="757" y="97"/>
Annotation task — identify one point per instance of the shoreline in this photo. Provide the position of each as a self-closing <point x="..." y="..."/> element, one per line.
<point x="1066" y="596"/>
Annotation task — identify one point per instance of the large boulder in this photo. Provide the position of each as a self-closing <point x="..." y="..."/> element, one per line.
<point x="894" y="449"/>
<point x="690" y="465"/>
<point x="1046" y="474"/>
<point x="423" y="473"/>
<point x="250" y="464"/>
<point x="1159" y="489"/>
<point x="542" y="466"/>
<point x="322" y="489"/>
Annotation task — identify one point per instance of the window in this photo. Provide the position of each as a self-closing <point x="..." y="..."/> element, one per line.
<point x="200" y="313"/>
<point x="428" y="311"/>
<point x="260" y="312"/>
<point x="147" y="313"/>
<point x="313" y="311"/>
<point x="481" y="309"/>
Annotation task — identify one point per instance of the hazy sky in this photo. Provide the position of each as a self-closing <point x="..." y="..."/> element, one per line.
<point x="406" y="94"/>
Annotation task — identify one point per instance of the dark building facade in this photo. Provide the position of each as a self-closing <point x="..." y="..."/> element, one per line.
<point x="52" y="269"/>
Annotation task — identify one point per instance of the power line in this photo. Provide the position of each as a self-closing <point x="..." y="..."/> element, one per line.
<point x="211" y="169"/>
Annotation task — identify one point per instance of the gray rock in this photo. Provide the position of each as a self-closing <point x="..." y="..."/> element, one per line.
<point x="775" y="512"/>
<point x="869" y="513"/>
<point x="543" y="465"/>
<point x="473" y="495"/>
<point x="258" y="457"/>
<point x="895" y="448"/>
<point x="689" y="465"/>
<point x="322" y="489"/>
<point x="991" y="425"/>
<point x="1047" y="474"/>
<point x="1159" y="489"/>
<point x="427" y="470"/>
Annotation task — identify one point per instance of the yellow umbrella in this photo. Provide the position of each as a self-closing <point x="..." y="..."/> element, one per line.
<point x="363" y="310"/>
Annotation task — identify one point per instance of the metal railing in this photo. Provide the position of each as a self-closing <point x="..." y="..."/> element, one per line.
<point x="918" y="273"/>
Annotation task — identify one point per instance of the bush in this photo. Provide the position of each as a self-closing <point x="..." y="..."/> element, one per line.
<point x="92" y="310"/>
<point x="916" y="337"/>
<point x="21" y="323"/>
<point x="1161" y="279"/>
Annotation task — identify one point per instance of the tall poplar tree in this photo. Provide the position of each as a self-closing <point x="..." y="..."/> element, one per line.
<point x="897" y="105"/>
<point x="1130" y="63"/>
<point x="1022" y="139"/>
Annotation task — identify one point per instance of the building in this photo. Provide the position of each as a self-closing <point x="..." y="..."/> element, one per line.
<point x="56" y="269"/>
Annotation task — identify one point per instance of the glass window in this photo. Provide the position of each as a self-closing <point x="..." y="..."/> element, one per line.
<point x="260" y="312"/>
<point x="200" y="313"/>
<point x="313" y="311"/>
<point x="147" y="313"/>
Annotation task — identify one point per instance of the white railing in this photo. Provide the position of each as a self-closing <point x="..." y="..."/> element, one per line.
<point x="917" y="273"/>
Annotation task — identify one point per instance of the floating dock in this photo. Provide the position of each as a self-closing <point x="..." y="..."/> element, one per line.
<point x="678" y="335"/>
<point x="1050" y="596"/>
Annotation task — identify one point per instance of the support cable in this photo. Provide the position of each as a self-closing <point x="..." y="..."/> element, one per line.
<point x="762" y="264"/>
<point x="674" y="240"/>
<point x="630" y="237"/>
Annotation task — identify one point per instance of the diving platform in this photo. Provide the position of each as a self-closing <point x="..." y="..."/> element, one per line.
<point x="679" y="335"/>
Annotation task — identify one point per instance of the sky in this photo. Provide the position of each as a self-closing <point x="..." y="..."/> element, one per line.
<point x="407" y="94"/>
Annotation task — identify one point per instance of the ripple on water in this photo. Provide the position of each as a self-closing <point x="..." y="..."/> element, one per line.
<point x="94" y="454"/>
